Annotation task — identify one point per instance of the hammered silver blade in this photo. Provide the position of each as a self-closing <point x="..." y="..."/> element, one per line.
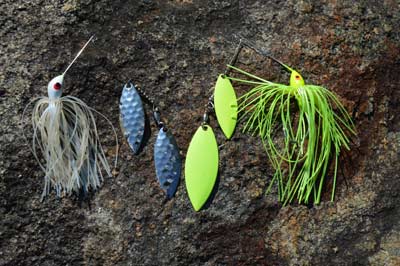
<point x="132" y="116"/>
<point x="168" y="162"/>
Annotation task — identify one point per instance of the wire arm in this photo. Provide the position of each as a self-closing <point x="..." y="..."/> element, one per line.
<point x="261" y="51"/>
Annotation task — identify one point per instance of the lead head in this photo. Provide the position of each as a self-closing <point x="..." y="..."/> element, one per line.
<point x="296" y="80"/>
<point x="54" y="88"/>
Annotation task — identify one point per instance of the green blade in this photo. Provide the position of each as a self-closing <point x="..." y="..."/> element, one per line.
<point x="201" y="166"/>
<point x="226" y="107"/>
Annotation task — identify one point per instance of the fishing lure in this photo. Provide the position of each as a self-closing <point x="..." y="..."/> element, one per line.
<point x="132" y="117"/>
<point x="201" y="165"/>
<point x="225" y="105"/>
<point x="65" y="133"/>
<point x="314" y="125"/>
<point x="225" y="100"/>
<point x="167" y="160"/>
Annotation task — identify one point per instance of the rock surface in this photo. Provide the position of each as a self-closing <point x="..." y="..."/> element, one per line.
<point x="175" y="49"/>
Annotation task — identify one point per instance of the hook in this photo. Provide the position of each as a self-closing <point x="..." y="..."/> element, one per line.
<point x="78" y="54"/>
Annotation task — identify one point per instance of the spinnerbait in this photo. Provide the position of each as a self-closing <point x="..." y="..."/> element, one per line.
<point x="66" y="135"/>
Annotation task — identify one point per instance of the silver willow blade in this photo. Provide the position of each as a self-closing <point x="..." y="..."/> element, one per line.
<point x="132" y="116"/>
<point x="167" y="161"/>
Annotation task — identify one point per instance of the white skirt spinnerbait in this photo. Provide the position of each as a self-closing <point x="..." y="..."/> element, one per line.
<point x="66" y="136"/>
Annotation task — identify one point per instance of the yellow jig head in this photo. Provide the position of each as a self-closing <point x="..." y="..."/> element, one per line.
<point x="296" y="80"/>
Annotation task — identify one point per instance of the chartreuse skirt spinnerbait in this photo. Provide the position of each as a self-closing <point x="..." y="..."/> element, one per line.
<point x="313" y="124"/>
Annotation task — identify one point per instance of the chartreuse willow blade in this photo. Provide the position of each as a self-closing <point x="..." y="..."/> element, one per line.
<point x="225" y="103"/>
<point x="301" y="127"/>
<point x="201" y="166"/>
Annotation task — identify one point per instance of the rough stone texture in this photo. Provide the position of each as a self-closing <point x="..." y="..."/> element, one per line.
<point x="174" y="49"/>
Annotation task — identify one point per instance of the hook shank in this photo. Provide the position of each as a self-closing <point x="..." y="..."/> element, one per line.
<point x="78" y="54"/>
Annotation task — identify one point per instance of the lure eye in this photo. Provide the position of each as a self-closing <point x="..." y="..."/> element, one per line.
<point x="57" y="86"/>
<point x="297" y="77"/>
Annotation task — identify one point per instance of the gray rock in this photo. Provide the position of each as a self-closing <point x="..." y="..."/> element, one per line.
<point x="175" y="50"/>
